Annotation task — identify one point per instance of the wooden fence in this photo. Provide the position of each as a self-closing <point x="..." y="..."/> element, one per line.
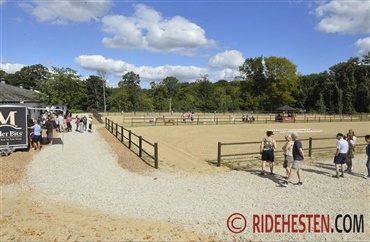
<point x="319" y="148"/>
<point x="132" y="141"/>
<point x="153" y="120"/>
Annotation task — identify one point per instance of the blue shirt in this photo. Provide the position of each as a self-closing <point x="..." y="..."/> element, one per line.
<point x="36" y="129"/>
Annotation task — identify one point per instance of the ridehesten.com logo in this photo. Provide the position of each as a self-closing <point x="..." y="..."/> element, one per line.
<point x="295" y="223"/>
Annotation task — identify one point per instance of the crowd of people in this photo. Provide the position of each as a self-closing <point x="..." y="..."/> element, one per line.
<point x="294" y="155"/>
<point x="55" y="122"/>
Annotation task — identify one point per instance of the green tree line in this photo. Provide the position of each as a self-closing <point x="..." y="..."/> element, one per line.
<point x="264" y="84"/>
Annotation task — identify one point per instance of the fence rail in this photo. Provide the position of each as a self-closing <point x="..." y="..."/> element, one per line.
<point x="152" y="119"/>
<point x="319" y="147"/>
<point x="133" y="142"/>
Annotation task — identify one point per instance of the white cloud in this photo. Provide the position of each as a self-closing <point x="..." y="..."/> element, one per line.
<point x="363" y="45"/>
<point x="348" y="17"/>
<point x="11" y="68"/>
<point x="225" y="74"/>
<point x="61" y="12"/>
<point x="118" y="68"/>
<point x="147" y="29"/>
<point x="228" y="59"/>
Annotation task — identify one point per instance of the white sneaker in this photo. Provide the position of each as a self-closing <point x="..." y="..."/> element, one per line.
<point x="366" y="177"/>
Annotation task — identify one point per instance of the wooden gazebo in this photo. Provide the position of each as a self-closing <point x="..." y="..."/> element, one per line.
<point x="285" y="114"/>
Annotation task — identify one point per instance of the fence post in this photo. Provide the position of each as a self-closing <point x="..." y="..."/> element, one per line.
<point x="132" y="121"/>
<point x="129" y="139"/>
<point x="140" y="146"/>
<point x="111" y="127"/>
<point x="156" y="155"/>
<point x="310" y="147"/>
<point x="219" y="154"/>
<point x="116" y="130"/>
<point x="106" y="122"/>
<point x="121" y="134"/>
<point x="216" y="120"/>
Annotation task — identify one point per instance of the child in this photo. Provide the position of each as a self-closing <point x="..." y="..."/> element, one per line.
<point x="367" y="139"/>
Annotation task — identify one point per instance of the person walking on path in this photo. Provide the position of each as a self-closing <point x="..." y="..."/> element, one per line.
<point x="267" y="147"/>
<point x="340" y="155"/>
<point x="298" y="158"/>
<point x="288" y="154"/>
<point x="367" y="139"/>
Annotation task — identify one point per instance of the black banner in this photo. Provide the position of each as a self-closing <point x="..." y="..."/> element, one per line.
<point x="13" y="126"/>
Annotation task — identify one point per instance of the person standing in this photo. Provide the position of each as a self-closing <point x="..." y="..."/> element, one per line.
<point x="77" y="123"/>
<point x="81" y="125"/>
<point x="267" y="147"/>
<point x="68" y="121"/>
<point x="367" y="139"/>
<point x="288" y="154"/>
<point x="36" y="135"/>
<point x="350" y="154"/>
<point x="61" y="123"/>
<point x="298" y="158"/>
<point x="340" y="155"/>
<point x="85" y="122"/>
<point x="49" y="131"/>
<point x="90" y="124"/>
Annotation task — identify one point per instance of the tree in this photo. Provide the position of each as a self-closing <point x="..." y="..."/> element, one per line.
<point x="171" y="83"/>
<point x="205" y="94"/>
<point x="131" y="83"/>
<point x="158" y="94"/>
<point x="29" y="76"/>
<point x="94" y="93"/>
<point x="64" y="87"/>
<point x="269" y="82"/>
<point x="103" y="74"/>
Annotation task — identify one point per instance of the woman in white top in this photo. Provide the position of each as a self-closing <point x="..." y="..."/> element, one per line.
<point x="288" y="154"/>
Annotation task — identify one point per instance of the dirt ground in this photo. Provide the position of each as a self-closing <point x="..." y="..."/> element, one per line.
<point x="193" y="148"/>
<point x="25" y="219"/>
<point x="184" y="148"/>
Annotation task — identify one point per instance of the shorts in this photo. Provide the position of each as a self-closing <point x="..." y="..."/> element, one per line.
<point x="341" y="158"/>
<point x="296" y="165"/>
<point x="36" y="138"/>
<point x="268" y="155"/>
<point x="288" y="161"/>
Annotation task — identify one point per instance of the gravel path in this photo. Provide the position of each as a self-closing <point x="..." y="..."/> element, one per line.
<point x="85" y="171"/>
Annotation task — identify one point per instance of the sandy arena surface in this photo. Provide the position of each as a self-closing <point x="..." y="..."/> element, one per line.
<point x="187" y="199"/>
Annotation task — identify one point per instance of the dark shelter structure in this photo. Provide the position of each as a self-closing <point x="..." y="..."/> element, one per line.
<point x="285" y="114"/>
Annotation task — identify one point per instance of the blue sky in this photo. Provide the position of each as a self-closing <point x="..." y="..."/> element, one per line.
<point x="186" y="39"/>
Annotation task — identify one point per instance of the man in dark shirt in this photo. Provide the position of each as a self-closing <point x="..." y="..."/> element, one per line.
<point x="298" y="157"/>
